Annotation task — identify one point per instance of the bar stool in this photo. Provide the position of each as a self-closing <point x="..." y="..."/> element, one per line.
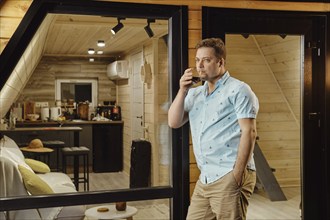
<point x="57" y="145"/>
<point x="77" y="152"/>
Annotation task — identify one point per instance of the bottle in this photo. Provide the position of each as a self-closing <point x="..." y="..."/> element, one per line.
<point x="12" y="119"/>
<point x="116" y="115"/>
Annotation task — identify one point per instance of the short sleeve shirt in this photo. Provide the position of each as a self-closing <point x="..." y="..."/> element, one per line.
<point x="214" y="124"/>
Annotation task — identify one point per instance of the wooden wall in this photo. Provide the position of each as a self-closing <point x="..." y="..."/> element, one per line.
<point x="12" y="12"/>
<point x="272" y="66"/>
<point x="156" y="98"/>
<point x="161" y="126"/>
<point x="41" y="85"/>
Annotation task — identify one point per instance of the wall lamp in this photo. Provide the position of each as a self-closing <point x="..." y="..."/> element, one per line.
<point x="119" y="26"/>
<point x="148" y="29"/>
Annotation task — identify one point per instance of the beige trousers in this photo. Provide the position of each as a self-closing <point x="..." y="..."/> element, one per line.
<point x="222" y="199"/>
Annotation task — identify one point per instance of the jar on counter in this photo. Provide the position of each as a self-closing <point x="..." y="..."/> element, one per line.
<point x="83" y="109"/>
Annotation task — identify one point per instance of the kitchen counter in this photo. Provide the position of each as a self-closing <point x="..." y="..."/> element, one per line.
<point x="22" y="129"/>
<point x="66" y="123"/>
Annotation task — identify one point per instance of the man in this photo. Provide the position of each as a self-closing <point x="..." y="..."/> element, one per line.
<point x="222" y="115"/>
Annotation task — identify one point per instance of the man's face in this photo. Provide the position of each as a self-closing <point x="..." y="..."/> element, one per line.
<point x="207" y="64"/>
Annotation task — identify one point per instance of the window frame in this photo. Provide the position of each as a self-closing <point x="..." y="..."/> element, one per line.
<point x="93" y="82"/>
<point x="178" y="190"/>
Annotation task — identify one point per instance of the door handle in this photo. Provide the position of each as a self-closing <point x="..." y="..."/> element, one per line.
<point x="141" y="119"/>
<point x="315" y="116"/>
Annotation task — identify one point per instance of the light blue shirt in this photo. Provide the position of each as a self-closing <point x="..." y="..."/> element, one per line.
<point x="214" y="124"/>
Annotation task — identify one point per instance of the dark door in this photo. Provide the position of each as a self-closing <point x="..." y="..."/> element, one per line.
<point x="218" y="22"/>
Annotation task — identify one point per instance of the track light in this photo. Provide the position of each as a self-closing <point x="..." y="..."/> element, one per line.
<point x="148" y="29"/>
<point x="100" y="43"/>
<point x="119" y="26"/>
<point x="91" y="51"/>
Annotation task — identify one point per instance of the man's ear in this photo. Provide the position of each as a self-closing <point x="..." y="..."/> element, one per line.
<point x="221" y="61"/>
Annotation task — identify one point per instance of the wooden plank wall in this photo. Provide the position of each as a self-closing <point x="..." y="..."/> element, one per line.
<point x="11" y="14"/>
<point x="272" y="67"/>
<point x="162" y="129"/>
<point x="41" y="85"/>
<point x="155" y="95"/>
<point x="12" y="11"/>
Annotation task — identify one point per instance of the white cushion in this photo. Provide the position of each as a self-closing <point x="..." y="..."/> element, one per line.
<point x="59" y="182"/>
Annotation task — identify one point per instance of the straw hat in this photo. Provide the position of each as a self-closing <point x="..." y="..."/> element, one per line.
<point x="36" y="146"/>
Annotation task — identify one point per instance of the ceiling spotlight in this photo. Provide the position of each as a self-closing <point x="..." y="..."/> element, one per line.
<point x="100" y="43"/>
<point x="148" y="29"/>
<point x="119" y="26"/>
<point x="99" y="52"/>
<point x="91" y="59"/>
<point x="91" y="51"/>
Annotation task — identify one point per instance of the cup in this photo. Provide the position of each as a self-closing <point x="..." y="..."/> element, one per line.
<point x="195" y="76"/>
<point x="120" y="206"/>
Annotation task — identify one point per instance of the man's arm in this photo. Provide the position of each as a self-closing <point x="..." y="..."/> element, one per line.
<point x="176" y="114"/>
<point x="246" y="146"/>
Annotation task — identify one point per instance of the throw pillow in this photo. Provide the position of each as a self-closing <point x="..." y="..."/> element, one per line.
<point x="33" y="183"/>
<point x="37" y="166"/>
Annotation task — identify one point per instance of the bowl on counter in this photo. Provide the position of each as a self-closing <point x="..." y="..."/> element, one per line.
<point x="32" y="117"/>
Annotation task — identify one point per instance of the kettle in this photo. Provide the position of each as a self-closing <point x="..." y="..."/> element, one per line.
<point x="44" y="114"/>
<point x="55" y="112"/>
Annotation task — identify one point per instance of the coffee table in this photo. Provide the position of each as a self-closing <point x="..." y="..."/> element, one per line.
<point x="112" y="213"/>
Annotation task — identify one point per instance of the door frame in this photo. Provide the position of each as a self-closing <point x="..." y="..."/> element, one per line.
<point x="177" y="17"/>
<point x="217" y="22"/>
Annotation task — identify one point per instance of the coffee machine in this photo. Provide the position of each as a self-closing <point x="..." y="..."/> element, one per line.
<point x="112" y="112"/>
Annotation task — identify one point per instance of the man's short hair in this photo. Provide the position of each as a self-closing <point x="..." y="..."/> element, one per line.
<point x="216" y="43"/>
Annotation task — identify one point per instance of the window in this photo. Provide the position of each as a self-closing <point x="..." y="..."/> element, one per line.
<point x="80" y="90"/>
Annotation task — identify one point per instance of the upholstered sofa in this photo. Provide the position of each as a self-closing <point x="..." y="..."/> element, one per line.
<point x="14" y="182"/>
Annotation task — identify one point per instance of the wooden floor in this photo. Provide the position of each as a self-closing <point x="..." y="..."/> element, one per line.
<point x="260" y="208"/>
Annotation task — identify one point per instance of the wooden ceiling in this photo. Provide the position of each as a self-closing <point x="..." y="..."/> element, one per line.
<point x="73" y="35"/>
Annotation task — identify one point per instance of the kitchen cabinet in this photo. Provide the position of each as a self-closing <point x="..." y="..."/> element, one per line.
<point x="108" y="147"/>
